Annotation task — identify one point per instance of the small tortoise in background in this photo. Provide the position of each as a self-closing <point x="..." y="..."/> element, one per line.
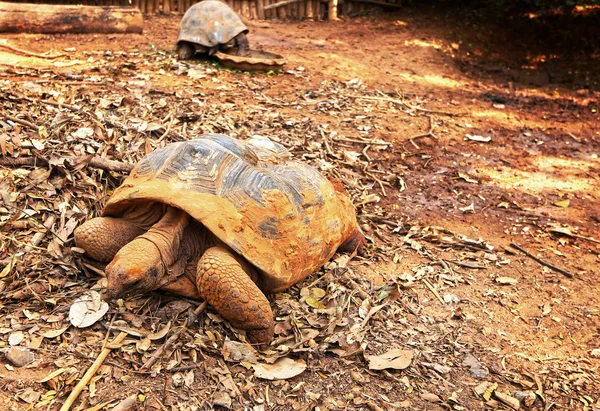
<point x="224" y="220"/>
<point x="209" y="26"/>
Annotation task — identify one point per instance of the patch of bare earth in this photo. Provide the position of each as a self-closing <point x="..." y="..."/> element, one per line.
<point x="453" y="152"/>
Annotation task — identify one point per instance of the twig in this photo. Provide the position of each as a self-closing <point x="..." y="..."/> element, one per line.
<point x="59" y="105"/>
<point x="28" y="53"/>
<point x="363" y="294"/>
<point x="402" y="103"/>
<point x="99" y="406"/>
<point x="191" y="319"/>
<point x="94" y="162"/>
<point x="367" y="142"/>
<point x="22" y="122"/>
<point x="434" y="291"/>
<point x="91" y="371"/>
<point x="428" y="134"/>
<point x="39" y="223"/>
<point x="127" y="404"/>
<point x="542" y="262"/>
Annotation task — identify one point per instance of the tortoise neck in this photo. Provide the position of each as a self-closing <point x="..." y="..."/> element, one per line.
<point x="145" y="215"/>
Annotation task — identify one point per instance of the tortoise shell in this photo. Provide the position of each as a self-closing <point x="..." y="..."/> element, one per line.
<point x="210" y="23"/>
<point x="283" y="216"/>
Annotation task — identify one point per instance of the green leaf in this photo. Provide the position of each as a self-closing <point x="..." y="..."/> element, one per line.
<point x="314" y="303"/>
<point x="562" y="203"/>
<point x="318" y="293"/>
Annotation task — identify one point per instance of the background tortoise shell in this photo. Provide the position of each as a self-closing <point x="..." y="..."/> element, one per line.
<point x="283" y="216"/>
<point x="210" y="23"/>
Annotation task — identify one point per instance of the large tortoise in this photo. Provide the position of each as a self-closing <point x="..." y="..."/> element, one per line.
<point x="209" y="26"/>
<point x="224" y="220"/>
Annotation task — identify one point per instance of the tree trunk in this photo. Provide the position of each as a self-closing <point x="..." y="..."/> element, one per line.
<point x="60" y="18"/>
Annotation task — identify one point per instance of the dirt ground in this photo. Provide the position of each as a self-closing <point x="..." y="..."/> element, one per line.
<point x="457" y="140"/>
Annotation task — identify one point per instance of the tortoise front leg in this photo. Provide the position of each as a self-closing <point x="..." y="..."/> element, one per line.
<point x="185" y="50"/>
<point x="103" y="237"/>
<point x="226" y="286"/>
<point x="243" y="47"/>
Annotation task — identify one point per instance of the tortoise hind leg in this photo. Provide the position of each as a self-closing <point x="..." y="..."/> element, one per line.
<point x="185" y="50"/>
<point x="227" y="287"/>
<point x="243" y="47"/>
<point x="103" y="237"/>
<point x="355" y="242"/>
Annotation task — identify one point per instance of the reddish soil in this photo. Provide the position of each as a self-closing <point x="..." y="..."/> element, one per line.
<point x="429" y="80"/>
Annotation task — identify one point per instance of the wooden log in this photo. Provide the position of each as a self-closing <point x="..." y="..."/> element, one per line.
<point x="60" y="18"/>
<point x="332" y="13"/>
<point x="253" y="11"/>
<point x="309" y="10"/>
<point x="302" y="9"/>
<point x="245" y="9"/>
<point x="269" y="14"/>
<point x="167" y="6"/>
<point x="260" y="9"/>
<point x="280" y="4"/>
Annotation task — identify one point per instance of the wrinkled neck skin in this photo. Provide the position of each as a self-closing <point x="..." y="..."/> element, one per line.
<point x="145" y="215"/>
<point x="168" y="250"/>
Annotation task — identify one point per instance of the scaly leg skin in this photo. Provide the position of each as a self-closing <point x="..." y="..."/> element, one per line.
<point x="185" y="50"/>
<point x="356" y="242"/>
<point x="243" y="45"/>
<point x="103" y="237"/>
<point x="142" y="265"/>
<point x="225" y="285"/>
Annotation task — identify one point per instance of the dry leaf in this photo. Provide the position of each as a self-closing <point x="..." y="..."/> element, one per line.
<point x="54" y="333"/>
<point x="160" y="333"/>
<point x="238" y="352"/>
<point x="397" y="359"/>
<point x="87" y="309"/>
<point x="282" y="369"/>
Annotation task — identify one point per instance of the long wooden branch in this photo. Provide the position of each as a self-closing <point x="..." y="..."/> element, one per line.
<point x="542" y="262"/>
<point x="280" y="4"/>
<point x="94" y="162"/>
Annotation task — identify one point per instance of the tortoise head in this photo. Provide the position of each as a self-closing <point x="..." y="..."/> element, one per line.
<point x="137" y="268"/>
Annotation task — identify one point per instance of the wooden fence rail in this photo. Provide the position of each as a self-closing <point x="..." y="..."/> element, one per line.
<point x="251" y="9"/>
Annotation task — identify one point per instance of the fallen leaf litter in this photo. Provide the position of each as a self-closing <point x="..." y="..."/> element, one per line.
<point x="64" y="149"/>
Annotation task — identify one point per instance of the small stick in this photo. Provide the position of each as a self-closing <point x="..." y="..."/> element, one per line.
<point x="27" y="52"/>
<point x="96" y="162"/>
<point x="99" y="406"/>
<point x="357" y="141"/>
<point x="191" y="319"/>
<point x="402" y="103"/>
<point x="22" y="122"/>
<point x="127" y="404"/>
<point x="428" y="134"/>
<point x="542" y="262"/>
<point x="433" y="290"/>
<point x="91" y="371"/>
